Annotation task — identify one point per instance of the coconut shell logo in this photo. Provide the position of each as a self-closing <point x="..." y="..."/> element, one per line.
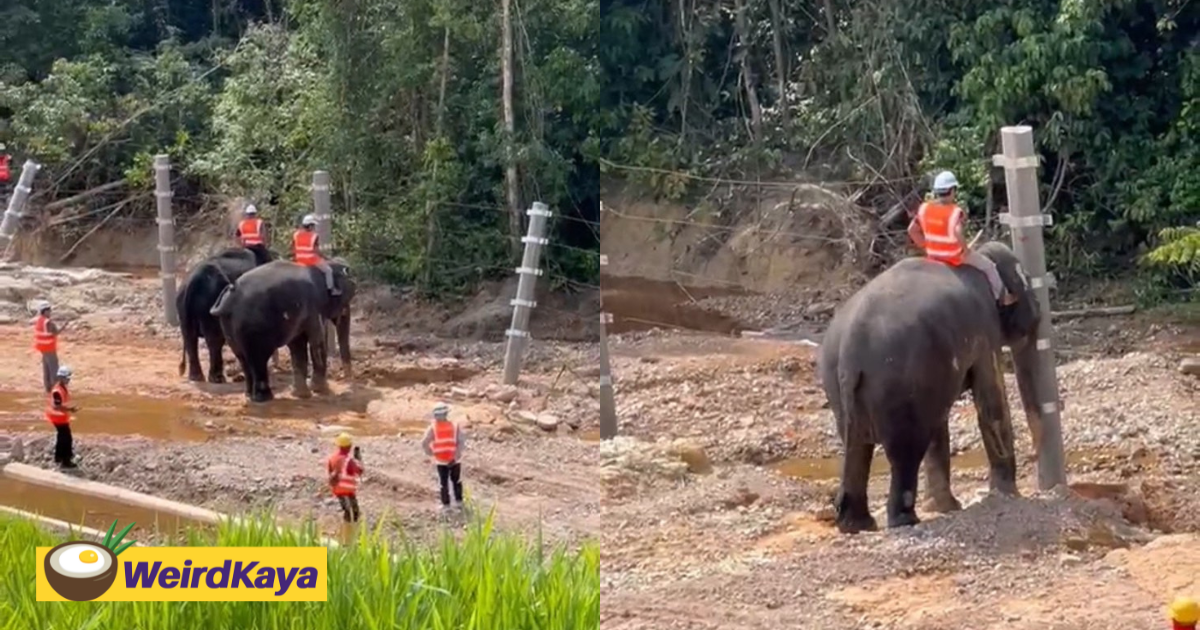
<point x="82" y="571"/>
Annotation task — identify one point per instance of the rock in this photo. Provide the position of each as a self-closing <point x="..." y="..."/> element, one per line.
<point x="526" y="417"/>
<point x="461" y="392"/>
<point x="547" y="422"/>
<point x="505" y="394"/>
<point x="693" y="455"/>
<point x="1190" y="366"/>
<point x="334" y="429"/>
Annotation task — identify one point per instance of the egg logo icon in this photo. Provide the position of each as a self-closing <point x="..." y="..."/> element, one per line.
<point x="82" y="571"/>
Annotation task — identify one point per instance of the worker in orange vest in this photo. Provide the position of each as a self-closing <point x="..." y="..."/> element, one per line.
<point x="58" y="413"/>
<point x="444" y="442"/>
<point x="939" y="228"/>
<point x="344" y="470"/>
<point x="307" y="251"/>
<point x="251" y="230"/>
<point x="45" y="341"/>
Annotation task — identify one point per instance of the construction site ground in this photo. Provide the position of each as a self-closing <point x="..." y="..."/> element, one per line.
<point x="718" y="494"/>
<point x="144" y="427"/>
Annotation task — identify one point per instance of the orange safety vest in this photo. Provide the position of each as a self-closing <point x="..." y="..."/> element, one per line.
<point x="251" y="230"/>
<point x="58" y="416"/>
<point x="939" y="222"/>
<point x="445" y="440"/>
<point x="304" y="245"/>
<point x="43" y="340"/>
<point x="346" y="484"/>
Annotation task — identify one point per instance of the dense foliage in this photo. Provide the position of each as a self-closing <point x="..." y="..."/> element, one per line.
<point x="401" y="102"/>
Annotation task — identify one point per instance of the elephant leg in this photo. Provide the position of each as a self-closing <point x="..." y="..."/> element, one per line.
<point x="262" y="378"/>
<point x="247" y="375"/>
<point x="995" y="424"/>
<point x="316" y="347"/>
<point x="937" y="471"/>
<point x="216" y="362"/>
<point x="191" y="350"/>
<point x="299" y="351"/>
<point x="853" y="513"/>
<point x="905" y="450"/>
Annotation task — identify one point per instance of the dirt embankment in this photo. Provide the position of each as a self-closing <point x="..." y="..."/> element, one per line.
<point x="144" y="427"/>
<point x="719" y="491"/>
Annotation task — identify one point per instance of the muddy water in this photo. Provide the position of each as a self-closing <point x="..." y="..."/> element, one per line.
<point x="640" y="304"/>
<point x="824" y="468"/>
<point x="97" y="513"/>
<point x="107" y="414"/>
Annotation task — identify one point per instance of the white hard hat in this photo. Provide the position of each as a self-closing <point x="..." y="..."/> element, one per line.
<point x="250" y="209"/>
<point x="308" y="220"/>
<point x="41" y="305"/>
<point x="944" y="182"/>
<point x="64" y="372"/>
<point x="440" y="411"/>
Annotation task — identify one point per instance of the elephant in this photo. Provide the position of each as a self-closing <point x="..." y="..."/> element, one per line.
<point x="281" y="304"/>
<point x="196" y="298"/>
<point x="900" y="352"/>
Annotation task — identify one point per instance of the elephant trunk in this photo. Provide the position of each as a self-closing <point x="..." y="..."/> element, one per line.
<point x="1027" y="364"/>
<point x="343" y="338"/>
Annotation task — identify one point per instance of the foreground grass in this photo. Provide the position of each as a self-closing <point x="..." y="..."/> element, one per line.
<point x="485" y="581"/>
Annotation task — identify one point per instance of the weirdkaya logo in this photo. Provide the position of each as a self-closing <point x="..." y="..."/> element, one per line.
<point x="84" y="571"/>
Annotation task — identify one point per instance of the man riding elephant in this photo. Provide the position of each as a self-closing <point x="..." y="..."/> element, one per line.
<point x="940" y="229"/>
<point x="196" y="298"/>
<point x="901" y="351"/>
<point x="285" y="304"/>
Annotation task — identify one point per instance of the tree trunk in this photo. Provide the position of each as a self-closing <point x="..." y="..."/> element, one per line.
<point x="830" y="19"/>
<point x="439" y="118"/>
<point x="781" y="65"/>
<point x="747" y="72"/>
<point x="510" y="168"/>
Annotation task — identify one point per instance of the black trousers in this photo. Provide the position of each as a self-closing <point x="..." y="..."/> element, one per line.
<point x="349" y="505"/>
<point x="64" y="445"/>
<point x="450" y="474"/>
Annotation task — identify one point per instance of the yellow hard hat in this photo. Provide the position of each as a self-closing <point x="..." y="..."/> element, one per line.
<point x="1185" y="610"/>
<point x="342" y="440"/>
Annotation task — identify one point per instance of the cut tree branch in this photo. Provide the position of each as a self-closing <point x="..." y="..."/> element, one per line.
<point x="91" y="192"/>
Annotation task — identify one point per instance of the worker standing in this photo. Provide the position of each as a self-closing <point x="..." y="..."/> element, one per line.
<point x="45" y="341"/>
<point x="444" y="442"/>
<point x="251" y="230"/>
<point x="344" y="470"/>
<point x="58" y="413"/>
<point x="306" y="251"/>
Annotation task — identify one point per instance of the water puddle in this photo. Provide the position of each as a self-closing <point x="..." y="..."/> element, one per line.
<point x="825" y="468"/>
<point x="640" y="304"/>
<point x="80" y="509"/>
<point x="107" y="414"/>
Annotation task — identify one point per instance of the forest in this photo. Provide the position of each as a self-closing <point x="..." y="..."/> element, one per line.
<point x="403" y="103"/>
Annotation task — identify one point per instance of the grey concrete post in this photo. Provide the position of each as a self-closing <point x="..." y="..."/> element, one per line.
<point x="608" y="405"/>
<point x="323" y="211"/>
<point x="523" y="304"/>
<point x="16" y="203"/>
<point x="166" y="235"/>
<point x="1025" y="220"/>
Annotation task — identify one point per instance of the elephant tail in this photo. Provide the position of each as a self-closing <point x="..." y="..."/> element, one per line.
<point x="848" y="381"/>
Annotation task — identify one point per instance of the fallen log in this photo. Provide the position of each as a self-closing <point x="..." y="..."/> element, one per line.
<point x="1099" y="311"/>
<point x="74" y="531"/>
<point x="53" y="479"/>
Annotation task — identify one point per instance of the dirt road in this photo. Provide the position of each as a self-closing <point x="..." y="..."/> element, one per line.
<point x="144" y="427"/>
<point x="719" y="502"/>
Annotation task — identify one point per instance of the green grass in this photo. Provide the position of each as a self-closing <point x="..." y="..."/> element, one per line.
<point x="484" y="581"/>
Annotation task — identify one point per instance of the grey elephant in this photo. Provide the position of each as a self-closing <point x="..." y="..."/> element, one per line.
<point x="896" y="357"/>
<point x="195" y="300"/>
<point x="285" y="304"/>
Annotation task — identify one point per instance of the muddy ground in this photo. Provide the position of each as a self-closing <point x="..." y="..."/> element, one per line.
<point x="142" y="426"/>
<point x="719" y="491"/>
